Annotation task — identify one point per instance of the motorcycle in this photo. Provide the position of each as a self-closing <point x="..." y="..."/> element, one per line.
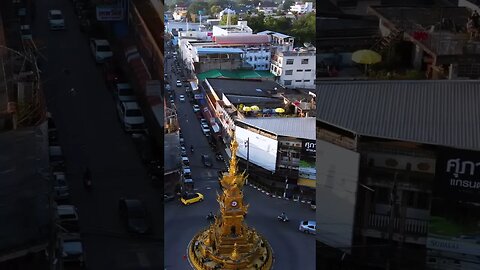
<point x="87" y="183"/>
<point x="282" y="218"/>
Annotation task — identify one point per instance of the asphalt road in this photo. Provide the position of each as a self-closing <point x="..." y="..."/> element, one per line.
<point x="292" y="249"/>
<point x="90" y="134"/>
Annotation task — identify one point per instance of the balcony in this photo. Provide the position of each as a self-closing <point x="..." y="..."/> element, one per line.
<point x="412" y="226"/>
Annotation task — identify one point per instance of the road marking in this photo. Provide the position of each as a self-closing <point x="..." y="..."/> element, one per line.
<point x="142" y="259"/>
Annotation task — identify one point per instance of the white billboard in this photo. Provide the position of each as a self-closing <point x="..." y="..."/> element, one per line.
<point x="337" y="177"/>
<point x="263" y="150"/>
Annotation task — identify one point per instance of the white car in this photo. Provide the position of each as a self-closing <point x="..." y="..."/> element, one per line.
<point x="181" y="98"/>
<point x="124" y="92"/>
<point x="131" y="116"/>
<point x="101" y="50"/>
<point x="56" y="20"/>
<point x="308" y="226"/>
<point x="179" y="83"/>
<point x="185" y="161"/>
<point x="196" y="108"/>
<point x="72" y="248"/>
<point x="205" y="129"/>
<point x="26" y="32"/>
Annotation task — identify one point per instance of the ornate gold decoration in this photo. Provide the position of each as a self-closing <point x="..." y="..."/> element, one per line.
<point x="228" y="243"/>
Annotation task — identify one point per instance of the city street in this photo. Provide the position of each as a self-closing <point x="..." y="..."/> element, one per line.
<point x="292" y="249"/>
<point x="90" y="135"/>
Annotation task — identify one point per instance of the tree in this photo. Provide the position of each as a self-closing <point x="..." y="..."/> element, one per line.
<point x="303" y="29"/>
<point x="233" y="20"/>
<point x="214" y="10"/>
<point x="195" y="7"/>
<point x="256" y="22"/>
<point x="287" y="4"/>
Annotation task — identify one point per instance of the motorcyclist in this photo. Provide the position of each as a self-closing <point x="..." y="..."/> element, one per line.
<point x="191" y="148"/>
<point x="283" y="216"/>
<point x="87" y="177"/>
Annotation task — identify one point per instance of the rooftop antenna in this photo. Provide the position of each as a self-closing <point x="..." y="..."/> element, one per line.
<point x="228" y="16"/>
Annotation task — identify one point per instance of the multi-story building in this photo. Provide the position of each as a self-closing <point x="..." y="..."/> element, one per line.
<point x="295" y="69"/>
<point x="301" y="8"/>
<point x="267" y="7"/>
<point x="226" y="12"/>
<point x="241" y="28"/>
<point x="393" y="160"/>
<point x="279" y="41"/>
<point x="179" y="13"/>
<point x="256" y="48"/>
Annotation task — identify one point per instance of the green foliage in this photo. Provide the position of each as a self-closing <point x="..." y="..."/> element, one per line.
<point x="287" y="4"/>
<point x="215" y="9"/>
<point x="233" y="20"/>
<point x="195" y="7"/>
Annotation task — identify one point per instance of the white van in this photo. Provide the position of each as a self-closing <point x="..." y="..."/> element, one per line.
<point x="131" y="116"/>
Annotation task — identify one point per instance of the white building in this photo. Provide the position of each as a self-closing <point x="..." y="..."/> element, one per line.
<point x="302" y="8"/>
<point x="268" y="8"/>
<point x="279" y="41"/>
<point x="226" y="12"/>
<point x="295" y="69"/>
<point x="256" y="48"/>
<point x="241" y="28"/>
<point x="179" y="13"/>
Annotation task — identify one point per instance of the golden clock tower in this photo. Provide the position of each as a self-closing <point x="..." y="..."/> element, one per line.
<point x="228" y="243"/>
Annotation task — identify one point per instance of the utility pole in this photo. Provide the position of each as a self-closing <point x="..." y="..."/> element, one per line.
<point x="247" y="145"/>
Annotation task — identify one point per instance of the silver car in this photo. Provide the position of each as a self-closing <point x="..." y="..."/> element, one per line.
<point x="308" y="226"/>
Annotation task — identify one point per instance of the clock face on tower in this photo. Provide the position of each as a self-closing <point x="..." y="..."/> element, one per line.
<point x="234" y="203"/>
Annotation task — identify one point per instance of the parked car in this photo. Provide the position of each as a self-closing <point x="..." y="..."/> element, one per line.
<point x="57" y="160"/>
<point x="203" y="121"/>
<point x="134" y="215"/>
<point x="313" y="205"/>
<point x="190" y="198"/>
<point x="183" y="151"/>
<point x="179" y="83"/>
<point x="62" y="191"/>
<point x="124" y="92"/>
<point x="308" y="226"/>
<point x="185" y="161"/>
<point x="113" y="74"/>
<point x="196" y="108"/>
<point x="26" y="32"/>
<point x="205" y="129"/>
<point x="207" y="161"/>
<point x="131" y="116"/>
<point x="72" y="248"/>
<point x="101" y="50"/>
<point x="68" y="217"/>
<point x="56" y="20"/>
<point x="181" y="98"/>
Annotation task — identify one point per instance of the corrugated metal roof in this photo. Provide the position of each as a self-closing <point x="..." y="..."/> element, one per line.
<point x="433" y="112"/>
<point x="297" y="127"/>
<point x="218" y="50"/>
<point x="242" y="39"/>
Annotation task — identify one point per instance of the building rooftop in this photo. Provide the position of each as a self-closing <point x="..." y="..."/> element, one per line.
<point x="277" y="34"/>
<point x="446" y="26"/>
<point x="242" y="39"/>
<point x="432" y="112"/>
<point x="201" y="50"/>
<point x="297" y="127"/>
<point x="24" y="189"/>
<point x="251" y="88"/>
<point x="235" y="74"/>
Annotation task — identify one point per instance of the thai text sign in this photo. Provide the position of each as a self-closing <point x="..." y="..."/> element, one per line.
<point x="110" y="13"/>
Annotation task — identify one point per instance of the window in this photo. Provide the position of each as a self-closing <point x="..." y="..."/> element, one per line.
<point x="304" y="61"/>
<point x="287" y="82"/>
<point x="289" y="72"/>
<point x="299" y="70"/>
<point x="308" y="70"/>
<point x="298" y="80"/>
<point x="290" y="61"/>
<point x="306" y="81"/>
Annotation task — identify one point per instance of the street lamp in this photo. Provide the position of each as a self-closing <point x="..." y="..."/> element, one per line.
<point x="247" y="145"/>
